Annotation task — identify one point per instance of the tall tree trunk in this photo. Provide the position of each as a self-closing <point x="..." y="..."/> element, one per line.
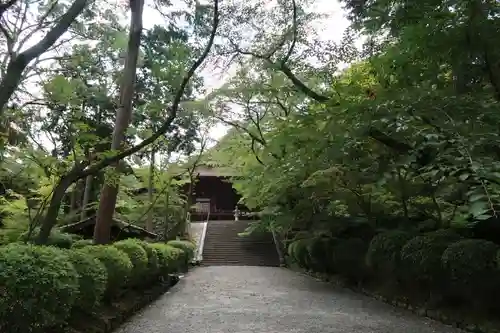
<point x="50" y="218"/>
<point x="86" y="196"/>
<point x="149" y="221"/>
<point x="109" y="191"/>
<point x="165" y="218"/>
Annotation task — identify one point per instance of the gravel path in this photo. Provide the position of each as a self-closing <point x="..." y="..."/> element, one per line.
<point x="221" y="299"/>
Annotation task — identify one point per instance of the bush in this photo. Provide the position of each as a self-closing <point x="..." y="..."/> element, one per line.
<point x="421" y="257"/>
<point x="298" y="250"/>
<point x="153" y="258"/>
<point x="58" y="239"/>
<point x="38" y="288"/>
<point x="176" y="259"/>
<point x="117" y="263"/>
<point x="171" y="258"/>
<point x="186" y="246"/>
<point x="471" y="264"/>
<point x="162" y="253"/>
<point x="320" y="254"/>
<point x="82" y="243"/>
<point x="138" y="256"/>
<point x="383" y="255"/>
<point x="349" y="258"/>
<point x="92" y="279"/>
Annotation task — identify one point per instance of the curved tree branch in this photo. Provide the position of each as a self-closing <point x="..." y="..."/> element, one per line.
<point x="18" y="63"/>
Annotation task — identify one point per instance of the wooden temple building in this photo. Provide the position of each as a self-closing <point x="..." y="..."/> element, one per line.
<point x="214" y="197"/>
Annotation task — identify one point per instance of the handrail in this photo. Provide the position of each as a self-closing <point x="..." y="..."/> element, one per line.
<point x="201" y="244"/>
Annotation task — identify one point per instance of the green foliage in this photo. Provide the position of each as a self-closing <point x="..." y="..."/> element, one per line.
<point x="118" y="266"/>
<point x="297" y="250"/>
<point x="92" y="278"/>
<point x="171" y="258"/>
<point x="138" y="257"/>
<point x="383" y="255"/>
<point x="320" y="252"/>
<point x="348" y="257"/>
<point x="58" y="239"/>
<point x="153" y="258"/>
<point x="187" y="247"/>
<point x="39" y="288"/>
<point x="163" y="257"/>
<point x="421" y="256"/>
<point x="82" y="243"/>
<point x="472" y="267"/>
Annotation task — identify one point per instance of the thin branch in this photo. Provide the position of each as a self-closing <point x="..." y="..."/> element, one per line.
<point x="18" y="64"/>
<point x="5" y="6"/>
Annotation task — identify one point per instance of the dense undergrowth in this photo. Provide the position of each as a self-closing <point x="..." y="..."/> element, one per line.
<point x="46" y="288"/>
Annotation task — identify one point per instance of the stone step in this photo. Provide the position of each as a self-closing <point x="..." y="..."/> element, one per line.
<point x="223" y="246"/>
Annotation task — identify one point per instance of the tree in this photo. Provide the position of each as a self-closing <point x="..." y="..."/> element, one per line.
<point x="83" y="169"/>
<point x="109" y="191"/>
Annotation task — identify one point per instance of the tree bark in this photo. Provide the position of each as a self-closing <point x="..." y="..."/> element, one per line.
<point x="109" y="193"/>
<point x="53" y="210"/>
<point x="18" y="63"/>
<point x="149" y="221"/>
<point x="86" y="196"/>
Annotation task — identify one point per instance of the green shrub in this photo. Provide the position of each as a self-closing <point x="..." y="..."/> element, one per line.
<point x="320" y="252"/>
<point x="38" y="287"/>
<point x="162" y="253"/>
<point x="176" y="259"/>
<point x="153" y="258"/>
<point x="383" y="255"/>
<point x="92" y="279"/>
<point x="138" y="256"/>
<point x="421" y="256"/>
<point x="82" y="243"/>
<point x="117" y="263"/>
<point x="58" y="239"/>
<point x="298" y="250"/>
<point x="171" y="259"/>
<point x="471" y="265"/>
<point x="349" y="258"/>
<point x="186" y="246"/>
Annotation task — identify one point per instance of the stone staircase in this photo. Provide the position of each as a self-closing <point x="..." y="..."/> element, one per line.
<point x="223" y="246"/>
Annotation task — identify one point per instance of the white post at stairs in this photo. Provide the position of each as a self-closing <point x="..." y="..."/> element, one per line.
<point x="236" y="213"/>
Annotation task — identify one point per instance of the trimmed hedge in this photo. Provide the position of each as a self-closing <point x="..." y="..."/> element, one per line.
<point x="320" y="254"/>
<point x="153" y="258"/>
<point x="39" y="286"/>
<point x="138" y="257"/>
<point x="421" y="257"/>
<point x="472" y="267"/>
<point x="298" y="250"/>
<point x="383" y="255"/>
<point x="118" y="266"/>
<point x="92" y="279"/>
<point x="186" y="246"/>
<point x="349" y="258"/>
<point x="82" y="243"/>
